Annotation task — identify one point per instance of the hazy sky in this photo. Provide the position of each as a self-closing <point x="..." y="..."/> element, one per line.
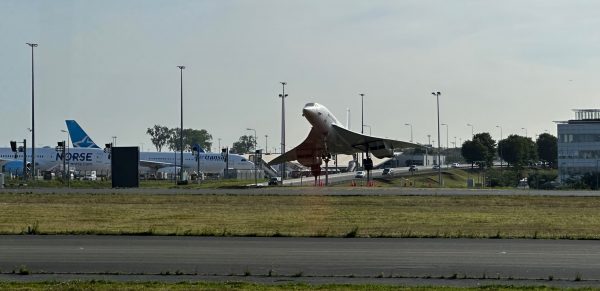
<point x="111" y="65"/>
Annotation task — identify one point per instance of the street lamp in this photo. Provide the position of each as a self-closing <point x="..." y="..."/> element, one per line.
<point x="437" y="95"/>
<point x="181" y="122"/>
<point x="471" y="125"/>
<point x="266" y="143"/>
<point x="68" y="170"/>
<point x="366" y="125"/>
<point x="411" y="131"/>
<point x="362" y="120"/>
<point x="219" y="143"/>
<point x="523" y="128"/>
<point x="500" y="127"/>
<point x="447" y="145"/>
<point x="32" y="45"/>
<point x="283" y="96"/>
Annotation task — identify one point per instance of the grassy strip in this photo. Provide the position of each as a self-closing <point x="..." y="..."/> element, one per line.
<point x="104" y="184"/>
<point x="320" y="216"/>
<point x="103" y="285"/>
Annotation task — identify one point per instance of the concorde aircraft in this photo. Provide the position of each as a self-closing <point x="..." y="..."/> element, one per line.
<point x="328" y="137"/>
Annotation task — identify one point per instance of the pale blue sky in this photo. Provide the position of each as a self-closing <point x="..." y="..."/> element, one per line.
<point x="111" y="65"/>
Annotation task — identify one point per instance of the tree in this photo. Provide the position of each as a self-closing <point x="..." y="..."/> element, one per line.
<point x="200" y="137"/>
<point x="159" y="136"/>
<point x="517" y="150"/>
<point x="473" y="151"/>
<point x="190" y="137"/>
<point x="244" y="145"/>
<point x="547" y="149"/>
<point x="486" y="140"/>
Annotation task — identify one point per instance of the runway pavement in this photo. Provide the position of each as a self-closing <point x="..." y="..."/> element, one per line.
<point x="324" y="259"/>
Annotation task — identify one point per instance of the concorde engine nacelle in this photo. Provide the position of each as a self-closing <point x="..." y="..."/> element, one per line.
<point x="381" y="150"/>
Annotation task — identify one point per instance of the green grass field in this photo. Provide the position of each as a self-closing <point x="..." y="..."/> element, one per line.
<point x="310" y="215"/>
<point x="101" y="285"/>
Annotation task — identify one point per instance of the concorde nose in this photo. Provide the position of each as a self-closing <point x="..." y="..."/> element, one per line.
<point x="308" y="110"/>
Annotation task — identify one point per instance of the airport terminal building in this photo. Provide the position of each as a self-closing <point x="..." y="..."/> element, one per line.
<point x="579" y="144"/>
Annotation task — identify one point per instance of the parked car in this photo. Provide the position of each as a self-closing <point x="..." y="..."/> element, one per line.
<point x="275" y="181"/>
<point x="359" y="174"/>
<point x="387" y="172"/>
<point x="413" y="168"/>
<point x="435" y="167"/>
<point x="455" y="165"/>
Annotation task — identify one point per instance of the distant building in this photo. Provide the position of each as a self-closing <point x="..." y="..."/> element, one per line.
<point x="579" y="144"/>
<point x="405" y="160"/>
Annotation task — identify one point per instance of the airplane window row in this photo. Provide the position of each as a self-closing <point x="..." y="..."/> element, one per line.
<point x="20" y="156"/>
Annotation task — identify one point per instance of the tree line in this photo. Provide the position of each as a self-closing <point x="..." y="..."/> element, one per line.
<point x="517" y="151"/>
<point x="164" y="137"/>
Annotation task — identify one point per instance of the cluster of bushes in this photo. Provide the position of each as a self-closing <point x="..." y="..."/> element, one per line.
<point x="536" y="179"/>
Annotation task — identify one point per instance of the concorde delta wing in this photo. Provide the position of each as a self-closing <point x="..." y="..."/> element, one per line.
<point x="379" y="147"/>
<point x="307" y="153"/>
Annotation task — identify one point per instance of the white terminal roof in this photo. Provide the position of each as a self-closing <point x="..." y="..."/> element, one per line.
<point x="585" y="114"/>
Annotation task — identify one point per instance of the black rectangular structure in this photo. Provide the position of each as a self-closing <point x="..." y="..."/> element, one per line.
<point x="124" y="165"/>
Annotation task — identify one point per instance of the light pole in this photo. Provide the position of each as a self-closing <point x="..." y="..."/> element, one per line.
<point x="411" y="131"/>
<point x="455" y="142"/>
<point x="471" y="125"/>
<point x="426" y="148"/>
<point x="255" y="156"/>
<point x="266" y="143"/>
<point x="500" y="127"/>
<point x="437" y="96"/>
<point x="362" y="122"/>
<point x="68" y="170"/>
<point x="348" y="118"/>
<point x="447" y="144"/>
<point x="219" y="143"/>
<point x="525" y="129"/>
<point x="283" y="96"/>
<point x="32" y="45"/>
<point x="366" y="125"/>
<point x="181" y="122"/>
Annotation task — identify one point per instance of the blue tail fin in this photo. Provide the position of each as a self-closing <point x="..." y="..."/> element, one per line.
<point x="79" y="138"/>
<point x="196" y="148"/>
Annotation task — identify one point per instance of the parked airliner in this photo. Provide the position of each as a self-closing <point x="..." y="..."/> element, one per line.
<point x="48" y="159"/>
<point x="209" y="162"/>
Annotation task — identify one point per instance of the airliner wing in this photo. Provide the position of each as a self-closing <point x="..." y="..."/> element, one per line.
<point x="311" y="147"/>
<point x="155" y="165"/>
<point x="359" y="142"/>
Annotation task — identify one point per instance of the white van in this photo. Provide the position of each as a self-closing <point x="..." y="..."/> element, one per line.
<point x="90" y="177"/>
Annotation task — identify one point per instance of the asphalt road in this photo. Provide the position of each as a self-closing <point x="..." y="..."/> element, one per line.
<point x="373" y="260"/>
